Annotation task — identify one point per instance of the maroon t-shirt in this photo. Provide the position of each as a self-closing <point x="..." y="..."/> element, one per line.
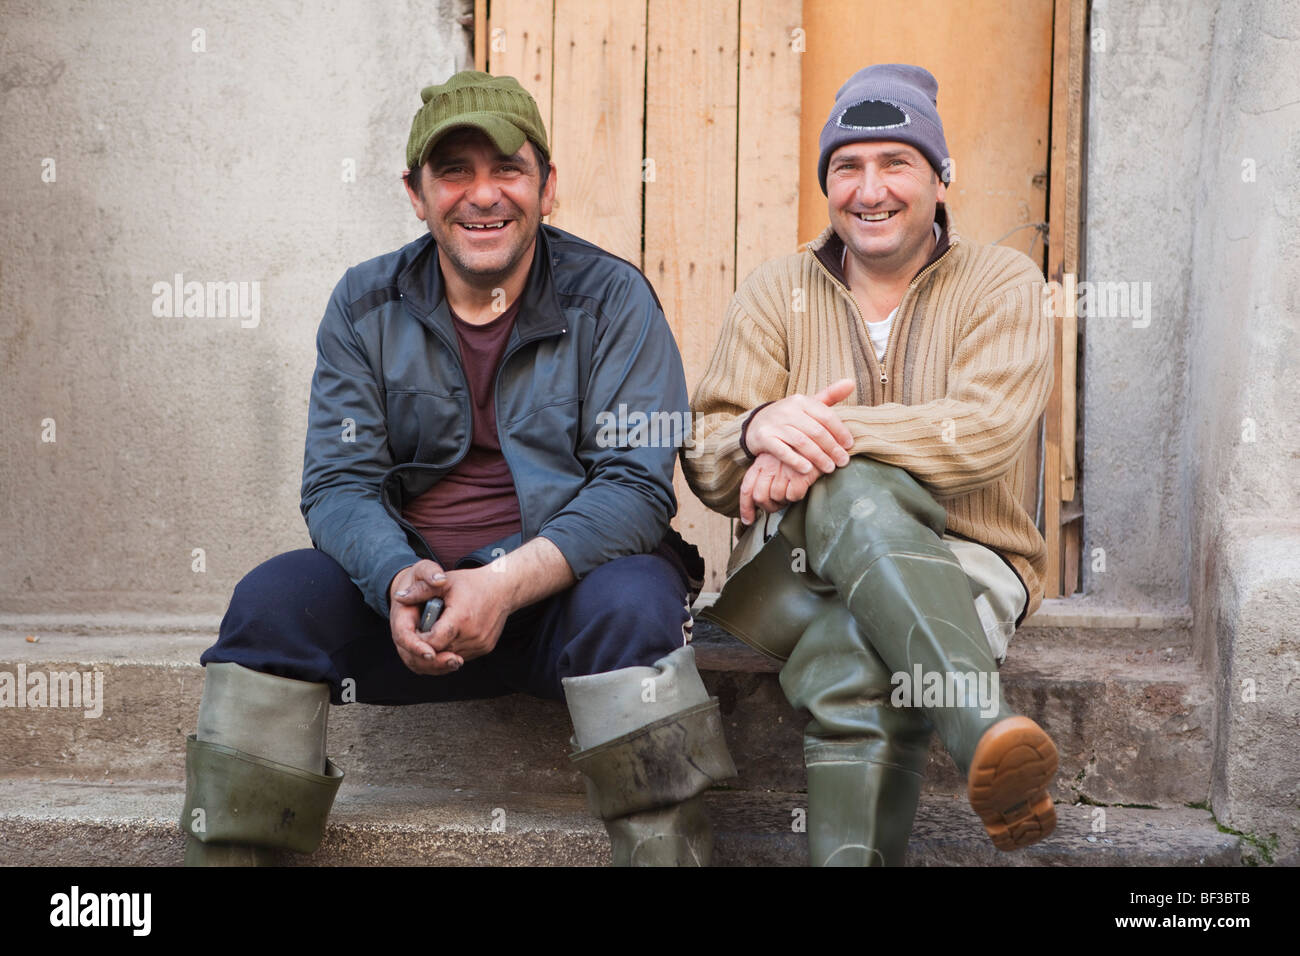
<point x="475" y="503"/>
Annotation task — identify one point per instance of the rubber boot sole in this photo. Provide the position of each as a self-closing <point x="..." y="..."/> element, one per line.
<point x="1013" y="765"/>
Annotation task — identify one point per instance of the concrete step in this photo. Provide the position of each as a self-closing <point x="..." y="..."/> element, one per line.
<point x="1122" y="699"/>
<point x="75" y="823"/>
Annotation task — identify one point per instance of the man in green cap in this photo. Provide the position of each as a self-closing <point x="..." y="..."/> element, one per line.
<point x="477" y="530"/>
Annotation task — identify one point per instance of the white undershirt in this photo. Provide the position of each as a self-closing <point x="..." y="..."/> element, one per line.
<point x="879" y="331"/>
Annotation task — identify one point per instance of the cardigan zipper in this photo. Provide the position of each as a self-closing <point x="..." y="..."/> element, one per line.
<point x="911" y="286"/>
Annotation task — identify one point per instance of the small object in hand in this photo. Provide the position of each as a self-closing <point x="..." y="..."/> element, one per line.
<point x="432" y="608"/>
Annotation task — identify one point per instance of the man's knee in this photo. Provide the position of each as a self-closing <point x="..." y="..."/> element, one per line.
<point x="834" y="661"/>
<point x="288" y="614"/>
<point x="873" y="493"/>
<point x="295" y="588"/>
<point x="636" y="608"/>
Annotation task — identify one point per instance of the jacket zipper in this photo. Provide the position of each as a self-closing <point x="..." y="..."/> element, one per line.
<point x="402" y="522"/>
<point x="496" y="409"/>
<point x="496" y="391"/>
<point x="392" y="472"/>
<point x="883" y="360"/>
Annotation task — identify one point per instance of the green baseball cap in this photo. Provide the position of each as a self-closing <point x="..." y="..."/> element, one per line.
<point x="497" y="105"/>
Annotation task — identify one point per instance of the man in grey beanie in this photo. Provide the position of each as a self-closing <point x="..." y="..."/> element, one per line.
<point x="891" y="559"/>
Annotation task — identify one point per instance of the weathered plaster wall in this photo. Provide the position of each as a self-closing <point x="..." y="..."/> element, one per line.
<point x="1244" y="418"/>
<point x="1148" y="73"/>
<point x="223" y="165"/>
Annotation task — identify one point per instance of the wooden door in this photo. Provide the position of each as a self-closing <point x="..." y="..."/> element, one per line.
<point x="685" y="133"/>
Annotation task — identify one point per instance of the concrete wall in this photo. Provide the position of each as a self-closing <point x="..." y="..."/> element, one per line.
<point x="223" y="165"/>
<point x="1193" y="422"/>
<point x="1244" y="418"/>
<point x="1147" y="84"/>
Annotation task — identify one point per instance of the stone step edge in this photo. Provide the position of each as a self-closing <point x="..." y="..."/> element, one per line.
<point x="1072" y="612"/>
<point x="1115" y="655"/>
<point x="364" y="816"/>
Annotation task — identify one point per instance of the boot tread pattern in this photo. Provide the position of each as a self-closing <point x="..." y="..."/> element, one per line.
<point x="1013" y="765"/>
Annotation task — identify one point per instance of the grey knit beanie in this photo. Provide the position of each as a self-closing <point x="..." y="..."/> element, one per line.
<point x="887" y="101"/>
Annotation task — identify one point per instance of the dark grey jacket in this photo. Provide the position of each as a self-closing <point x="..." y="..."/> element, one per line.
<point x="390" y="410"/>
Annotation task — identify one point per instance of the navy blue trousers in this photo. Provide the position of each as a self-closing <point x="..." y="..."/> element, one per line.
<point x="299" y="615"/>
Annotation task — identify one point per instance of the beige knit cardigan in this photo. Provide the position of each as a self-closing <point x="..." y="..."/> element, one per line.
<point x="964" y="378"/>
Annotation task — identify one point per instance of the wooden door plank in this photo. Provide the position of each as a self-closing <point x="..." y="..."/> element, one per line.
<point x="1063" y="259"/>
<point x="1073" y="197"/>
<point x="480" y="35"/>
<point x="1052" y="514"/>
<point x="520" y="44"/>
<point x="1056" y="269"/>
<point x="993" y="65"/>
<point x="597" y="122"/>
<point x="767" y="167"/>
<point x="1064" y="210"/>
<point x="1071" y="549"/>
<point x="690" y="204"/>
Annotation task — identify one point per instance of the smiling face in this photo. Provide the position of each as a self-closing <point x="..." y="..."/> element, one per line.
<point x="882" y="198"/>
<point x="482" y="208"/>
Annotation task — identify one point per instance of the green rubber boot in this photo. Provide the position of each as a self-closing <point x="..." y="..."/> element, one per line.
<point x="256" y="775"/>
<point x="865" y="758"/>
<point x="874" y="533"/>
<point x="650" y="743"/>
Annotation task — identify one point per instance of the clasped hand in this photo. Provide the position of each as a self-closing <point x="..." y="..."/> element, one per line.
<point x="795" y="441"/>
<point x="476" y="605"/>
